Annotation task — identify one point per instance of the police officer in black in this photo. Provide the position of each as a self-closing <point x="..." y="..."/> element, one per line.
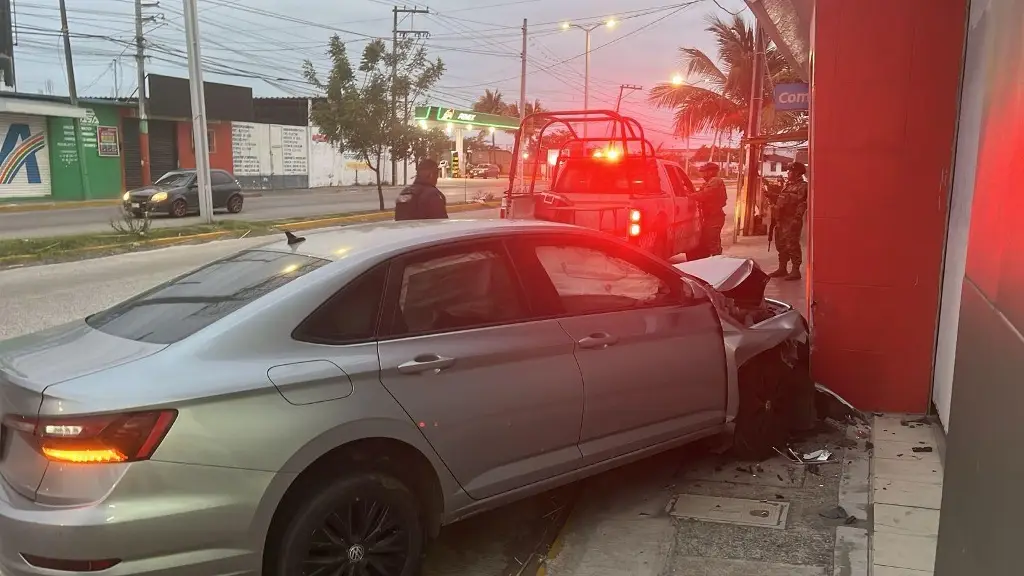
<point x="421" y="200"/>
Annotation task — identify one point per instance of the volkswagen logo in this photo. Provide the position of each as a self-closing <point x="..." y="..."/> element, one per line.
<point x="356" y="553"/>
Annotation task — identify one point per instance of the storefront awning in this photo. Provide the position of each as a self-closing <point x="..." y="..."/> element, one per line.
<point x="10" y="105"/>
<point x="439" y="116"/>
<point x="788" y="24"/>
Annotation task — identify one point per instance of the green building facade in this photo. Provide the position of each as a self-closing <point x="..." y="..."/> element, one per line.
<point x="104" y="158"/>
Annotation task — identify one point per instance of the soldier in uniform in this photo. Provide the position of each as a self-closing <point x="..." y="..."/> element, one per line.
<point x="711" y="199"/>
<point x="421" y="200"/>
<point x="789" y="208"/>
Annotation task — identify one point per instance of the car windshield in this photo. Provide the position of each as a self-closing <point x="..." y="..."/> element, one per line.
<point x="183" y="306"/>
<point x="174" y="179"/>
<point x="604" y="176"/>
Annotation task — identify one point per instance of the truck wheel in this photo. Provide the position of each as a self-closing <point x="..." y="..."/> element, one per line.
<point x="761" y="425"/>
<point x="366" y="523"/>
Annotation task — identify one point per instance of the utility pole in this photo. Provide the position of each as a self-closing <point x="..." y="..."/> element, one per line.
<point x="6" y="44"/>
<point x="140" y="66"/>
<point x="753" y="128"/>
<point x="83" y="170"/>
<point x="395" y="33"/>
<point x="522" y="79"/>
<point x="199" y="137"/>
<point x="623" y="87"/>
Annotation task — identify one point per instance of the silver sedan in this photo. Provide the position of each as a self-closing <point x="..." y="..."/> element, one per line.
<point x="324" y="405"/>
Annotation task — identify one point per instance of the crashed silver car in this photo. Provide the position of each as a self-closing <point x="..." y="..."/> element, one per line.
<point x="323" y="405"/>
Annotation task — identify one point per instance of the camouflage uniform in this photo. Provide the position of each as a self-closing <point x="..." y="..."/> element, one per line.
<point x="711" y="199"/>
<point x="790" y="208"/>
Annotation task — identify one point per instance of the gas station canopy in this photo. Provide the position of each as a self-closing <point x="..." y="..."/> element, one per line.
<point x="441" y="117"/>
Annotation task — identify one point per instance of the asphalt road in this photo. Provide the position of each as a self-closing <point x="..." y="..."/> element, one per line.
<point x="269" y="206"/>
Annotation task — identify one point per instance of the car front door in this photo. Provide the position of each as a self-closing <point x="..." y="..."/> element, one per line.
<point x="652" y="355"/>
<point x="497" y="393"/>
<point x="192" y="193"/>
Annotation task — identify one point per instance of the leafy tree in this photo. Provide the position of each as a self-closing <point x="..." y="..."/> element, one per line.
<point x="357" y="112"/>
<point x="718" y="101"/>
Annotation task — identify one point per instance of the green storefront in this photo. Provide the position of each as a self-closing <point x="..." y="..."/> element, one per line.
<point x="102" y="141"/>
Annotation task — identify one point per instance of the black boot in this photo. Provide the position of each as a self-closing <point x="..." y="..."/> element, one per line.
<point x="795" y="274"/>
<point x="781" y="272"/>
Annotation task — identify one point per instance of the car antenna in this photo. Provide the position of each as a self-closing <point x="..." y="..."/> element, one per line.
<point x="293" y="239"/>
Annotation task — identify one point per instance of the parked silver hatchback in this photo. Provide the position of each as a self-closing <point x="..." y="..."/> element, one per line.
<point x="324" y="405"/>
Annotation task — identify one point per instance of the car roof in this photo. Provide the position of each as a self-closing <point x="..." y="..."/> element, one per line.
<point x="381" y="238"/>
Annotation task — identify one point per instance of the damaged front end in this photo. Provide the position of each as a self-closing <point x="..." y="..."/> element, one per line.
<point x="767" y="346"/>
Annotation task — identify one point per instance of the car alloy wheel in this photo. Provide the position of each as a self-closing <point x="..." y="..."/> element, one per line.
<point x="362" y="537"/>
<point x="179" y="208"/>
<point x="235" y="204"/>
<point x="367" y="524"/>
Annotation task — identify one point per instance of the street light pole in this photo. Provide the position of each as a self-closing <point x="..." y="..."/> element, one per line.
<point x="586" y="75"/>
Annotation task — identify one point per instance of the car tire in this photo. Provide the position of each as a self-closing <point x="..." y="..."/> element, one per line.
<point x="345" y="521"/>
<point x="234" y="204"/>
<point x="762" y="422"/>
<point x="179" y="208"/>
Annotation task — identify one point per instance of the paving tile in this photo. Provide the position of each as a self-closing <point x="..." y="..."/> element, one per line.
<point x="904" y="551"/>
<point x="850" y="557"/>
<point x="922" y="472"/>
<point x="896" y="431"/>
<point x="904" y="493"/>
<point x="699" y="566"/>
<point x="896" y="450"/>
<point x="890" y="571"/>
<point x="906" y="520"/>
<point x="614" y="547"/>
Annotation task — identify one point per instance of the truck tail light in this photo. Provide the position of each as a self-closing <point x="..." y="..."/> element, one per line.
<point x="105" y="439"/>
<point x="634" y="223"/>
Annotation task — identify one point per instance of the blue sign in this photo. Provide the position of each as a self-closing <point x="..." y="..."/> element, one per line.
<point x="792" y="96"/>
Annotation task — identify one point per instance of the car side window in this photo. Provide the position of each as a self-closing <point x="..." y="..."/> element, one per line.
<point x="350" y="315"/>
<point x="591" y="280"/>
<point x="455" y="290"/>
<point x="220" y="178"/>
<point x="680" y="185"/>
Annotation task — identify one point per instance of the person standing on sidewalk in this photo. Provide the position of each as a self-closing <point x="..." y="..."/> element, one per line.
<point x="422" y="200"/>
<point x="790" y="208"/>
<point x="711" y="199"/>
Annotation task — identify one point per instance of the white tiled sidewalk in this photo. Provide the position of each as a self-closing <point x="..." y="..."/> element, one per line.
<point x="906" y="496"/>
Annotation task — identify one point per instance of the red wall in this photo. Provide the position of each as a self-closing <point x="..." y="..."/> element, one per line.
<point x="220" y="146"/>
<point x="885" y="91"/>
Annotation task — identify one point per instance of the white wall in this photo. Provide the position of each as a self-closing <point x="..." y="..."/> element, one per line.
<point x="972" y="107"/>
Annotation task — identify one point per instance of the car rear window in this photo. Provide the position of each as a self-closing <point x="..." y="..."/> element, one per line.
<point x="181" y="307"/>
<point x="602" y="176"/>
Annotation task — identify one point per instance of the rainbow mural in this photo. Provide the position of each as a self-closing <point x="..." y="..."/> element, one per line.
<point x="14" y="161"/>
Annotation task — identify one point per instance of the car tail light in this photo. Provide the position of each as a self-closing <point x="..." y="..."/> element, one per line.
<point x="110" y="438"/>
<point x="634" y="223"/>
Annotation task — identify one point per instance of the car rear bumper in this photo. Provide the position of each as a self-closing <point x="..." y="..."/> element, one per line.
<point x="159" y="519"/>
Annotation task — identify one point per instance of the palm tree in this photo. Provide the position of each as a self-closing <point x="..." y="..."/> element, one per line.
<point x="718" y="102"/>
<point x="490" y="103"/>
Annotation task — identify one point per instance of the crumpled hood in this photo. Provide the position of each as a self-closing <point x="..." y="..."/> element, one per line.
<point x="147" y="191"/>
<point x="738" y="278"/>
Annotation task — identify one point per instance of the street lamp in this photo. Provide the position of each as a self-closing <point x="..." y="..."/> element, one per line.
<point x="586" y="76"/>
<point x="677" y="80"/>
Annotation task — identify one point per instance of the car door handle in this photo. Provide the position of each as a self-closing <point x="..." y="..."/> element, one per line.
<point x="598" y="340"/>
<point x="426" y="363"/>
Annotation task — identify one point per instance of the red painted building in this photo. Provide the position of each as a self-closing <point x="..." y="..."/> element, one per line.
<point x="219" y="134"/>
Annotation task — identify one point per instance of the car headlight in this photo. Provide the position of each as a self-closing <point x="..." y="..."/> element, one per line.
<point x="158" y="197"/>
<point x="126" y="197"/>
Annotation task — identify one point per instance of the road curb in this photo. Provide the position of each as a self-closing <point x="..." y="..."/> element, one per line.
<point x="70" y="205"/>
<point x="290" y="226"/>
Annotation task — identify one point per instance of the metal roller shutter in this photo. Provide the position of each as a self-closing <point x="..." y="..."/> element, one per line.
<point x="25" y="169"/>
<point x="163" y="147"/>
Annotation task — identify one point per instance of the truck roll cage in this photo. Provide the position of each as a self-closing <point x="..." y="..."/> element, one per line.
<point x="623" y="137"/>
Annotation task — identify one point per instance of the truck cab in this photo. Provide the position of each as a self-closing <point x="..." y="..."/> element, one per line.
<point x="613" y="183"/>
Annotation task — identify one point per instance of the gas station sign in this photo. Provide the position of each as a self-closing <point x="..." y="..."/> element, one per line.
<point x="446" y="115"/>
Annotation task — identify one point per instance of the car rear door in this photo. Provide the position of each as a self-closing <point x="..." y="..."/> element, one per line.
<point x="652" y="357"/>
<point x="222" y="185"/>
<point x="496" y="392"/>
<point x="686" y="224"/>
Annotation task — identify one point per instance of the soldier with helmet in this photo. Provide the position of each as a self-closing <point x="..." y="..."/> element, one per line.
<point x="789" y="208"/>
<point x="711" y="199"/>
